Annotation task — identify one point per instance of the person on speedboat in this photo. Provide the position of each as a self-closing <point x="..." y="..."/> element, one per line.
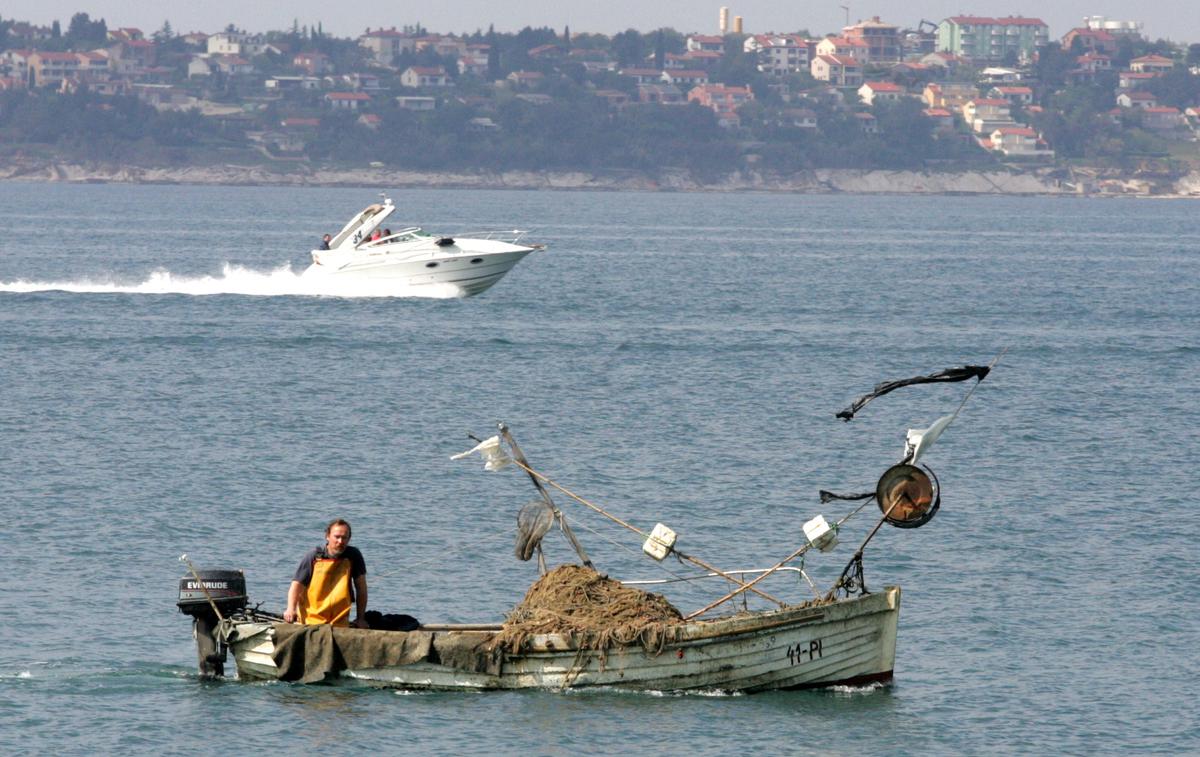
<point x="325" y="242"/>
<point x="329" y="580"/>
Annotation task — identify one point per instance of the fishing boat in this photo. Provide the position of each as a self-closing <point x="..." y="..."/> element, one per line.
<point x="412" y="257"/>
<point x="850" y="642"/>
<point x="843" y="636"/>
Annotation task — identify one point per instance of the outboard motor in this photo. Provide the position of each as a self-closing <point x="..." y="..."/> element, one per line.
<point x="226" y="589"/>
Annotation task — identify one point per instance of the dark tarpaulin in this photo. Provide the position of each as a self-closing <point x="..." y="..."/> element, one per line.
<point x="963" y="373"/>
<point x="312" y="653"/>
<point x="309" y="654"/>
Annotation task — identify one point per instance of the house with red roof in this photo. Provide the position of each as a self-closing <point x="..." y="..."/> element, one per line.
<point x="15" y="63"/>
<point x="129" y="55"/>
<point x="425" y="76"/>
<point x="525" y="79"/>
<point x="347" y="100"/>
<point x="313" y="63"/>
<point x="1019" y="142"/>
<point x="799" y="118"/>
<point x="778" y="55"/>
<point x="1136" y="79"/>
<point x="874" y="92"/>
<point x="50" y="68"/>
<point x="549" y="51"/>
<point x="943" y="119"/>
<point x="845" y="47"/>
<point x="23" y="31"/>
<point x="1090" y="41"/>
<point x="1015" y="94"/>
<point x="660" y="94"/>
<point x="949" y="95"/>
<point x="291" y="83"/>
<point x="838" y="70"/>
<point x="232" y="65"/>
<point x="1151" y="64"/>
<point x="946" y="60"/>
<point x="722" y="100"/>
<point x="707" y="43"/>
<point x="867" y="123"/>
<point x="1162" y="118"/>
<point x="914" y="71"/>
<point x="883" y="40"/>
<point x="385" y="45"/>
<point x="1137" y="99"/>
<point x="125" y="33"/>
<point x="642" y="75"/>
<point x="474" y="61"/>
<point x="985" y="114"/>
<point x="684" y="78"/>
<point x="705" y="59"/>
<point x="445" y="45"/>
<point x="614" y="97"/>
<point x="1093" y="62"/>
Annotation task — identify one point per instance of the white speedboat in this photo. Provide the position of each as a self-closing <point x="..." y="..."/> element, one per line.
<point x="412" y="257"/>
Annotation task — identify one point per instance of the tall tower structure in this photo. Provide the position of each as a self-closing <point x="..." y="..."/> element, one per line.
<point x="724" y="20"/>
<point x="737" y="24"/>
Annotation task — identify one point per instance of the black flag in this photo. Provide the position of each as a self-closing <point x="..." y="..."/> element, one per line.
<point x="978" y="372"/>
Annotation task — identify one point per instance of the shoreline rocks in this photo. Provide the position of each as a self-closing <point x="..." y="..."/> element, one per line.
<point x="1043" y="181"/>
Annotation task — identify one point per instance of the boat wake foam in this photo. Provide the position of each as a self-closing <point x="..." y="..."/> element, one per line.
<point x="851" y="691"/>
<point x="235" y="279"/>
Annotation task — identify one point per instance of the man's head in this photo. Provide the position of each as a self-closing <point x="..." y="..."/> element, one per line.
<point x="327" y="237"/>
<point x="337" y="536"/>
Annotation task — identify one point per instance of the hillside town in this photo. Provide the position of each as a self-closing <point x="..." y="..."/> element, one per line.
<point x="966" y="90"/>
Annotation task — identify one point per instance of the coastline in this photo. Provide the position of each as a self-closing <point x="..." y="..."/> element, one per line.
<point x="1039" y="181"/>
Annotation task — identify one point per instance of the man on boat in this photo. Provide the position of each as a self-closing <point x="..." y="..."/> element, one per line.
<point x="328" y="581"/>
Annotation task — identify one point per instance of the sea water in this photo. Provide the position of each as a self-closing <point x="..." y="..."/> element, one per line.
<point x="171" y="385"/>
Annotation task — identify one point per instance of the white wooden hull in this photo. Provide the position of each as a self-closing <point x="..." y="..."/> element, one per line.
<point x="852" y="641"/>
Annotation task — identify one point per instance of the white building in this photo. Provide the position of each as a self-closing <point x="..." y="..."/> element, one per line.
<point x="874" y="92"/>
<point x="1018" y="142"/>
<point x="778" y="54"/>
<point x="425" y="76"/>
<point x="236" y="43"/>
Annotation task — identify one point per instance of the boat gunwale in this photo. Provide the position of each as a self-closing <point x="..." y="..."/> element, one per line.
<point x="729" y="628"/>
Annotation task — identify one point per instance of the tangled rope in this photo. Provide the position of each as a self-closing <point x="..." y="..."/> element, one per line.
<point x="598" y="612"/>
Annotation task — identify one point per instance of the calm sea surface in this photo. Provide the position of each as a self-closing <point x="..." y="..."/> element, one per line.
<point x="674" y="358"/>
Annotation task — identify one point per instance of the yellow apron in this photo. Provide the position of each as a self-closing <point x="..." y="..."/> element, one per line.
<point x="328" y="598"/>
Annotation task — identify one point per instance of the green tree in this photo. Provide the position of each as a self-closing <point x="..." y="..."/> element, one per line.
<point x="1178" y="88"/>
<point x="165" y="34"/>
<point x="629" y="48"/>
<point x="82" y="32"/>
<point x="1052" y="65"/>
<point x="908" y="129"/>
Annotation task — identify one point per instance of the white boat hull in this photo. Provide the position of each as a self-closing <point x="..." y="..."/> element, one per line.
<point x="471" y="266"/>
<point x="850" y="642"/>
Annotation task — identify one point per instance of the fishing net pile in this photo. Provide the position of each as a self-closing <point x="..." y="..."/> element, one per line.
<point x="597" y="611"/>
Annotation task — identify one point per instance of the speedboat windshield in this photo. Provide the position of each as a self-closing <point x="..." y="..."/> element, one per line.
<point x="361" y="226"/>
